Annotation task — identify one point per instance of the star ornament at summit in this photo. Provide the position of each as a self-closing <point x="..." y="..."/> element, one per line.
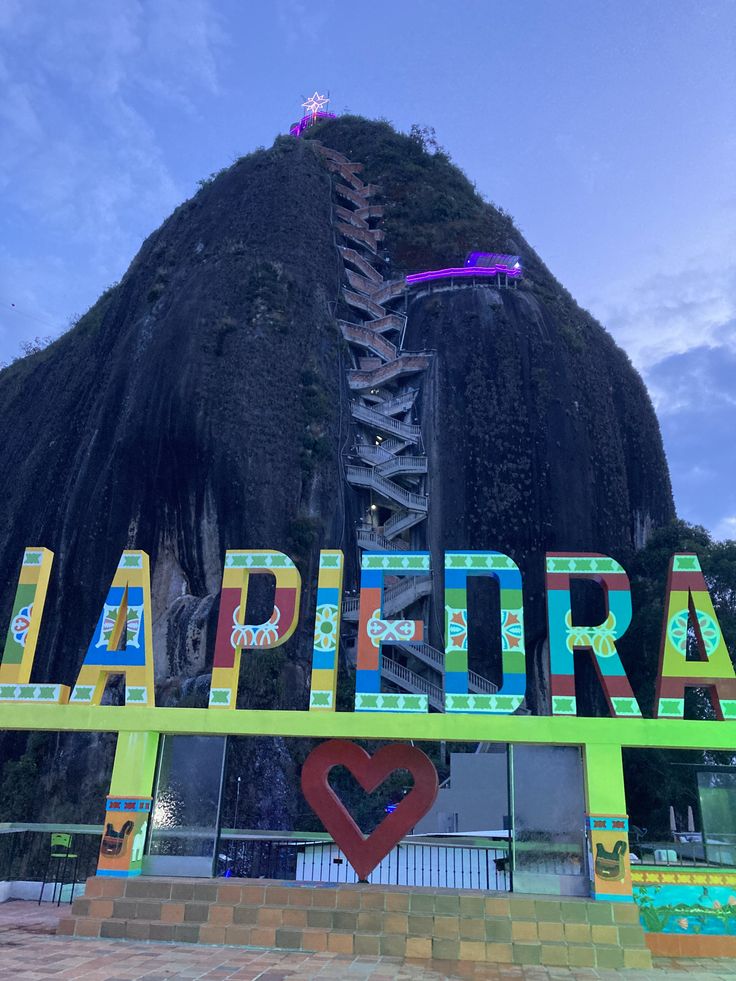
<point x="315" y="103"/>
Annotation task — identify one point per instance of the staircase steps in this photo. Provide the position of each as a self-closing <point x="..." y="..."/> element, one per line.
<point x="357" y="260"/>
<point x="389" y="291"/>
<point x="394" y="444"/>
<point x="391" y="321"/>
<point x="368" y="237"/>
<point x="436" y="659"/>
<point x="398" y="403"/>
<point x="445" y="924"/>
<point x="405" y="364"/>
<point x="331" y="154"/>
<point x="395" y="598"/>
<point x="402" y="465"/>
<point x="406" y="679"/>
<point x="372" y="454"/>
<point x="348" y="175"/>
<point x="373" y="541"/>
<point x="367" y="477"/>
<point x="364" y="303"/>
<point x="351" y="217"/>
<point x="371" y="211"/>
<point x="402" y="521"/>
<point x="361" y="283"/>
<point x="365" y="337"/>
<point x="358" y="198"/>
<point x="406" y="432"/>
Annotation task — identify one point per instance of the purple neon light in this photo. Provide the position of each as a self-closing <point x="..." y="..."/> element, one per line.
<point x="296" y="129"/>
<point x="489" y="259"/>
<point x="462" y="271"/>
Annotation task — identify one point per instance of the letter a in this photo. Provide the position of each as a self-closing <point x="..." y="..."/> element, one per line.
<point x="688" y="604"/>
<point x="123" y="639"/>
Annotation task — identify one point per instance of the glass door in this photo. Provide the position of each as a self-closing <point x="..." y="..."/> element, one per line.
<point x="186" y="806"/>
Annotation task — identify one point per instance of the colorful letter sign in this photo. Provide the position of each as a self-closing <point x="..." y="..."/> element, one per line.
<point x="374" y="631"/>
<point x="22" y="636"/>
<point x="233" y="634"/>
<point x="458" y="566"/>
<point x="122" y="642"/>
<point x="565" y="637"/>
<point x="688" y="605"/>
<point x="326" y="631"/>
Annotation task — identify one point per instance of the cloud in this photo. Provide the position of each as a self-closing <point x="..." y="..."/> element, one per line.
<point x="302" y="22"/>
<point x="726" y="528"/>
<point x="83" y="170"/>
<point x="699" y="380"/>
<point x="695" y="397"/>
<point x="684" y="303"/>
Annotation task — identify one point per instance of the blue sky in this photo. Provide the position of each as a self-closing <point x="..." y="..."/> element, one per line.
<point x="607" y="129"/>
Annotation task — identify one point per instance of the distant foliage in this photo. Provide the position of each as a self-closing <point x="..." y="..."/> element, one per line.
<point x="434" y="215"/>
<point x="32" y="346"/>
<point x="35" y="345"/>
<point x="426" y="137"/>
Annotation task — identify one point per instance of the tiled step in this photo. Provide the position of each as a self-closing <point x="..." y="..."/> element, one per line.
<point x="400" y="921"/>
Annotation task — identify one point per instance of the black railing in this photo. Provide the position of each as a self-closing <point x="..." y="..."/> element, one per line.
<point x="684" y="848"/>
<point x="411" y="863"/>
<point x="25" y="851"/>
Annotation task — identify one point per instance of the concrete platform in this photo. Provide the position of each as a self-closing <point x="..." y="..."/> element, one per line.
<point x="444" y="924"/>
<point x="30" y="951"/>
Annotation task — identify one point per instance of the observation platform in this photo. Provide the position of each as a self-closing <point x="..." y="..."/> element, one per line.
<point x="497" y="266"/>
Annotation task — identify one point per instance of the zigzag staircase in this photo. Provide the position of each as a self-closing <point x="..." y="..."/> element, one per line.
<point x="388" y="464"/>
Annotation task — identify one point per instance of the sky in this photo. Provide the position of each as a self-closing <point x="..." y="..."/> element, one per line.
<point x="608" y="130"/>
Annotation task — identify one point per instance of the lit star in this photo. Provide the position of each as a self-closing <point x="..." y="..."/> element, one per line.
<point x="315" y="103"/>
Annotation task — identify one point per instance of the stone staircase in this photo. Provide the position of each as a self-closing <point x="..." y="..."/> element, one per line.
<point x="371" y="920"/>
<point x="387" y="459"/>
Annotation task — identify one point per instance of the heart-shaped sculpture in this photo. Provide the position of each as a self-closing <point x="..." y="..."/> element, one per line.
<point x="365" y="852"/>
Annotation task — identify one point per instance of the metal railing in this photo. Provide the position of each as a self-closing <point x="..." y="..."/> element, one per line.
<point x="402" y="521"/>
<point x="365" y="337"/>
<point x="399" y="403"/>
<point x="389" y="290"/>
<point x="372" y="453"/>
<point x="25" y="850"/>
<point x="385" y="424"/>
<point x="480" y="685"/>
<point x="405" y="678"/>
<point x="402" y="464"/>
<point x="684" y="848"/>
<point x="406" y="592"/>
<point x="405" y="364"/>
<point x="367" y="477"/>
<point x="374" y="540"/>
<point x="392" y="321"/>
<point x="425" y="652"/>
<point x="357" y="260"/>
<point x="480" y="864"/>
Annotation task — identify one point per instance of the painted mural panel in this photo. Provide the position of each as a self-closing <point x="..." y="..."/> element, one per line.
<point x="686" y="901"/>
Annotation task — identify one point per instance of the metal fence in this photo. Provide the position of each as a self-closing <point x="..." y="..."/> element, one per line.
<point x="25" y="851"/>
<point x="684" y="848"/>
<point x="412" y="863"/>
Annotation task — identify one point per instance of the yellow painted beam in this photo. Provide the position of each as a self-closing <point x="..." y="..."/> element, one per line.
<point x="604" y="779"/>
<point x="556" y="730"/>
<point x="134" y="767"/>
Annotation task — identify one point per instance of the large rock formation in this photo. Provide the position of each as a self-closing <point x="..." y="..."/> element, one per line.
<point x="201" y="405"/>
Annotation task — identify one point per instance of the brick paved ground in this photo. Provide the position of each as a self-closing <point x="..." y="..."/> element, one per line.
<point x="30" y="951"/>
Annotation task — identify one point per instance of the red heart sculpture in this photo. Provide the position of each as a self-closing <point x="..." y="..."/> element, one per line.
<point x="365" y="852"/>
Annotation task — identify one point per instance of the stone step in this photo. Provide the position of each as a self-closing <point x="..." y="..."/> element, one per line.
<point x="399" y="921"/>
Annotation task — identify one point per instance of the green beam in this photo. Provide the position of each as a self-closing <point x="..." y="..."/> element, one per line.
<point x="543" y="729"/>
